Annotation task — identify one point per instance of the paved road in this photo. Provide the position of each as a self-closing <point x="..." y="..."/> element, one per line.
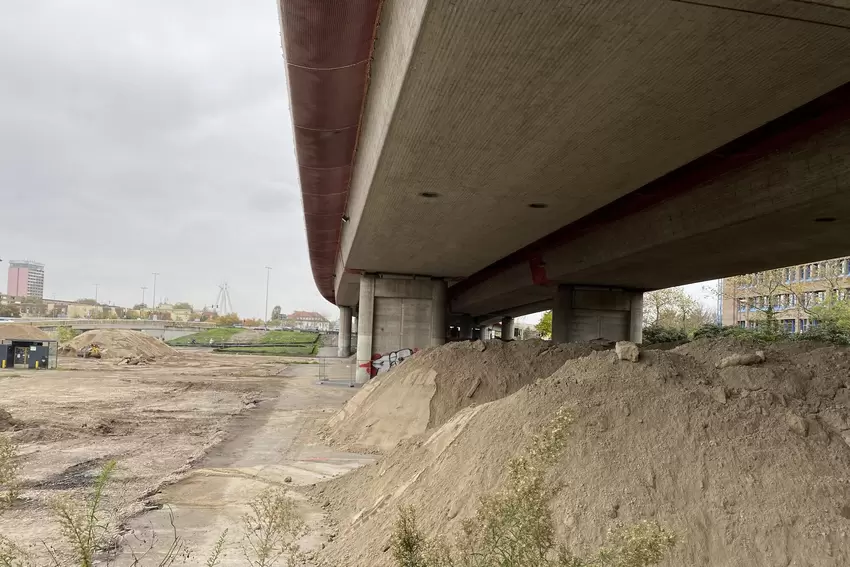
<point x="272" y="442"/>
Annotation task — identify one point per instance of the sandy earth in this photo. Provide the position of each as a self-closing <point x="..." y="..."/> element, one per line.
<point x="264" y="447"/>
<point x="748" y="465"/>
<point x="428" y="389"/>
<point x="201" y="433"/>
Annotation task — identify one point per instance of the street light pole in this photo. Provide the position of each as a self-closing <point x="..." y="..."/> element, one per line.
<point x="144" y="287"/>
<point x="97" y="285"/>
<point x="153" y="299"/>
<point x="266" y="312"/>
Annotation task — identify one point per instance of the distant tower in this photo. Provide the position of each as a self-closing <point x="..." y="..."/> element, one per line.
<point x="223" y="305"/>
<point x="26" y="279"/>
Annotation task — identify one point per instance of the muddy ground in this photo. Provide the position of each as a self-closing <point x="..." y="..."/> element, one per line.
<point x="195" y="436"/>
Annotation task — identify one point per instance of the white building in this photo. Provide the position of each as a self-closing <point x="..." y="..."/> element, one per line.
<point x="309" y="321"/>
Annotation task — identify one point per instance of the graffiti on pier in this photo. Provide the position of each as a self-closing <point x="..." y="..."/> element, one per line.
<point x="383" y="362"/>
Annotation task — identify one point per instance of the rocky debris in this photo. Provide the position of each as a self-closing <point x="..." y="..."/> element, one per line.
<point x="742" y="359"/>
<point x="601" y="344"/>
<point x="627" y="350"/>
<point x="797" y="424"/>
<point x="7" y="422"/>
<point x="719" y="393"/>
<point x="137" y="360"/>
<point x="474" y="387"/>
<point x="67" y="350"/>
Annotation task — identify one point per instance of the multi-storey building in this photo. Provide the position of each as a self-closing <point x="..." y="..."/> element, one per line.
<point x="790" y="294"/>
<point x="26" y="279"/>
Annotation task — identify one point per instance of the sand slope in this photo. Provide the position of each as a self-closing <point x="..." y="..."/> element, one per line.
<point x="120" y="343"/>
<point x="14" y="331"/>
<point x="427" y="389"/>
<point x="750" y="465"/>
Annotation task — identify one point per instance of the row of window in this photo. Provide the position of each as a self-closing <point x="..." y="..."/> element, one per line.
<point x="803" y="273"/>
<point x="782" y="301"/>
<point x="788" y="325"/>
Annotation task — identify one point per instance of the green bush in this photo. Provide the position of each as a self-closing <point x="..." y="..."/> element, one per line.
<point x="826" y="333"/>
<point x="655" y="334"/>
<point x="708" y="331"/>
<point x="764" y="333"/>
<point x="514" y="527"/>
<point x="65" y="334"/>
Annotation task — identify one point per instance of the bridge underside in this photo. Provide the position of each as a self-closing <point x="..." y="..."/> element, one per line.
<point x="529" y="152"/>
<point x="776" y="197"/>
<point x="492" y="125"/>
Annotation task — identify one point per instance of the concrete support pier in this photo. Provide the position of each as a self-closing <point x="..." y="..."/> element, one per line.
<point x="465" y="327"/>
<point x="562" y="314"/>
<point x="397" y="315"/>
<point x="484" y="332"/>
<point x="636" y="322"/>
<point x="582" y="313"/>
<point x="344" y="341"/>
<point x="507" y="328"/>
<point x="365" y="319"/>
<point x="439" y="308"/>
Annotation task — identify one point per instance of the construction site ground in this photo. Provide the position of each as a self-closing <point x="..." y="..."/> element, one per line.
<point x="741" y="448"/>
<point x="195" y="436"/>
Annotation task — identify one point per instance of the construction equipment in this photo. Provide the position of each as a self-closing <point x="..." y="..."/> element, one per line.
<point x="89" y="351"/>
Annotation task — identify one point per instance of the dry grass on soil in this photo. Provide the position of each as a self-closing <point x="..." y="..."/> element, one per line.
<point x="156" y="421"/>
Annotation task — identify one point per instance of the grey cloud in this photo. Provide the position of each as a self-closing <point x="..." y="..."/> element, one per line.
<point x="141" y="136"/>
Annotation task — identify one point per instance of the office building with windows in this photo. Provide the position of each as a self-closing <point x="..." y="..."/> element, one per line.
<point x="26" y="279"/>
<point x="791" y="294"/>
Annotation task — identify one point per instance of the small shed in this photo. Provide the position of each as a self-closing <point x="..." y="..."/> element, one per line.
<point x="39" y="354"/>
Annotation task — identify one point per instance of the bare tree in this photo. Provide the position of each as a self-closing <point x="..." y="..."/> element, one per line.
<point x="657" y="305"/>
<point x="674" y="308"/>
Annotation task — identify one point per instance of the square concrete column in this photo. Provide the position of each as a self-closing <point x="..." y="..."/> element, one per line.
<point x="439" y="307"/>
<point x="344" y="342"/>
<point x="562" y="314"/>
<point x="365" y="320"/>
<point x="465" y="327"/>
<point x="636" y="318"/>
<point x="507" y="328"/>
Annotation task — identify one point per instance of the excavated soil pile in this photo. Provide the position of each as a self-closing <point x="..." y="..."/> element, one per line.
<point x="122" y="343"/>
<point x="13" y="331"/>
<point x="749" y="465"/>
<point x="427" y="389"/>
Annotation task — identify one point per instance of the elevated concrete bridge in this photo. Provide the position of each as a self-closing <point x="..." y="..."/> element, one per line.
<point x="468" y="162"/>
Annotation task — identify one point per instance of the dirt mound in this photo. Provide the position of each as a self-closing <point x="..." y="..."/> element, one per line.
<point x="121" y="343"/>
<point x="13" y="331"/>
<point x="747" y="464"/>
<point x="427" y="389"/>
<point x="7" y="422"/>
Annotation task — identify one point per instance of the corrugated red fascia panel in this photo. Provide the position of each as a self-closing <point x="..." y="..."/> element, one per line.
<point x="328" y="46"/>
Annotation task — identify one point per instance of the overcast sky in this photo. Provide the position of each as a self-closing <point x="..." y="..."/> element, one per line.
<point x="141" y="136"/>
